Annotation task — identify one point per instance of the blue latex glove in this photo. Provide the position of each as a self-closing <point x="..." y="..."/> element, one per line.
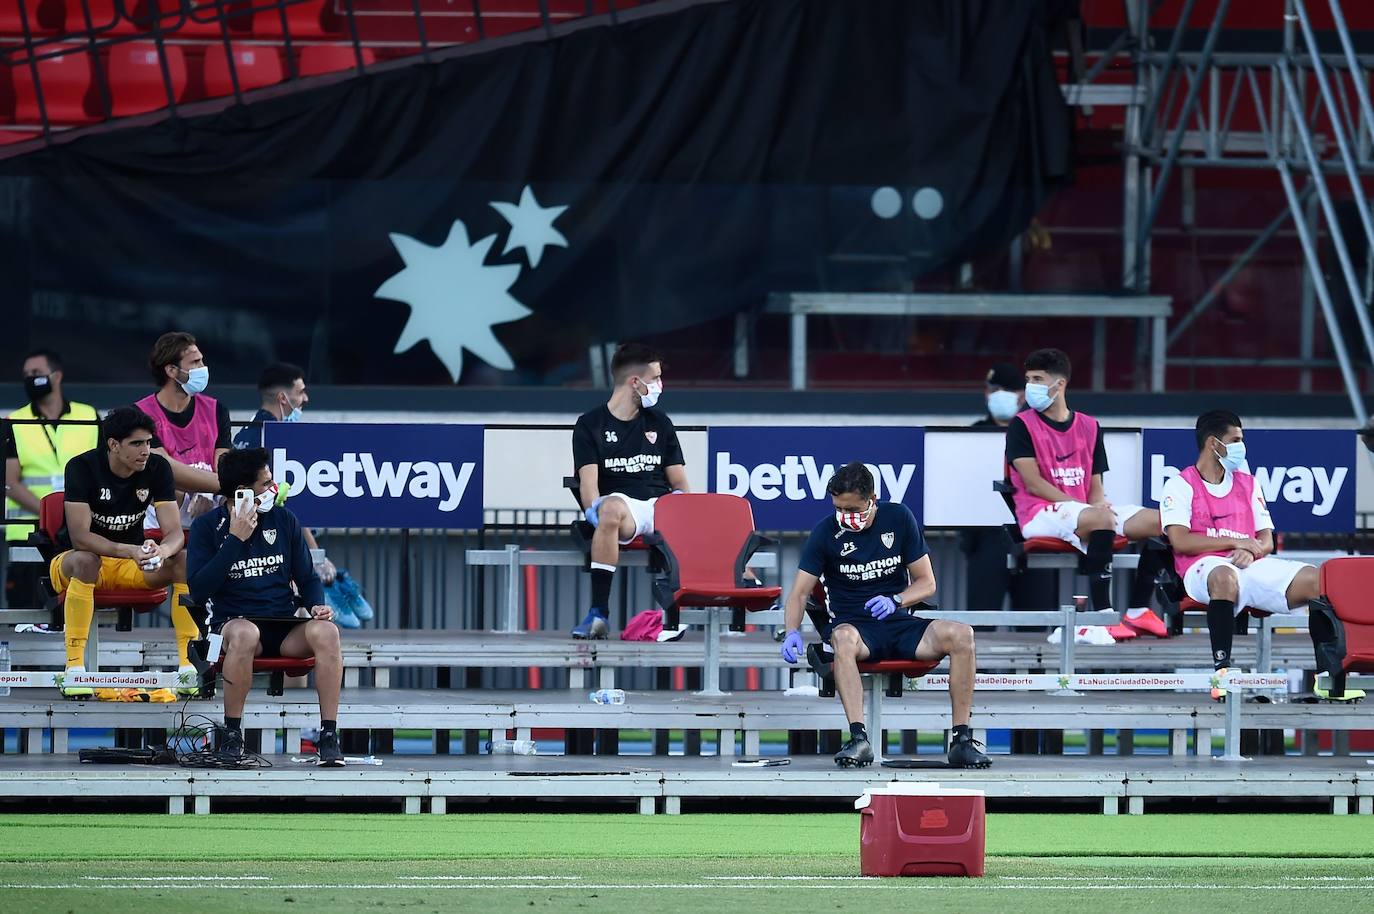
<point x="792" y="647"/>
<point x="592" y="513"/>
<point x="881" y="607"/>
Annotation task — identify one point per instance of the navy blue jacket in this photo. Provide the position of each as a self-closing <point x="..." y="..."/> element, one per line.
<point x="233" y="578"/>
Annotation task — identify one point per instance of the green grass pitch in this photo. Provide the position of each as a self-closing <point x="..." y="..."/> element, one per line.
<point x="111" y="864"/>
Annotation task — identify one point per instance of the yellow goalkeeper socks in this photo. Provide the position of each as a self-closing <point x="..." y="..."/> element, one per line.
<point x="79" y="611"/>
<point x="186" y="628"/>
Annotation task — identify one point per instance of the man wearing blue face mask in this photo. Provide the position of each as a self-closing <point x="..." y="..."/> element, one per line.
<point x="989" y="578"/>
<point x="627" y="456"/>
<point x="1223" y="537"/>
<point x="282" y="398"/>
<point x="1056" y="459"/>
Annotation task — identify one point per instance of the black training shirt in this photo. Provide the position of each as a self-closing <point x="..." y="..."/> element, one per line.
<point x="856" y="567"/>
<point x="117" y="505"/>
<point x="630" y="456"/>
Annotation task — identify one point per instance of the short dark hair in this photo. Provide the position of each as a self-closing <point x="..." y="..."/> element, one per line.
<point x="1050" y="361"/>
<point x="168" y="350"/>
<point x="629" y="358"/>
<point x="852" y="477"/>
<point x="1214" y="423"/>
<point x="122" y="421"/>
<point x="239" y="469"/>
<point x="50" y="356"/>
<point x="279" y="376"/>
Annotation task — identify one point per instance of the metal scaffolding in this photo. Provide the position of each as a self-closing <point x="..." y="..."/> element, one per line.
<point x="1302" y="111"/>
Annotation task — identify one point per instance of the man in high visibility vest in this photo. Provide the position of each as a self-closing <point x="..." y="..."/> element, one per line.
<point x="36" y="453"/>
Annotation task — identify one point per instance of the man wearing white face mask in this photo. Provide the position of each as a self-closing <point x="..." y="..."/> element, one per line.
<point x="627" y="456"/>
<point x="1056" y="458"/>
<point x="243" y="560"/>
<point x="1223" y="537"/>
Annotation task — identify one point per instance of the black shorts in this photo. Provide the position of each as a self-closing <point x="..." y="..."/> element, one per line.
<point x="271" y="633"/>
<point x="893" y="638"/>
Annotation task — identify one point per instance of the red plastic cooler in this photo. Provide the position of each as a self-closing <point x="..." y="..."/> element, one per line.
<point x="921" y="830"/>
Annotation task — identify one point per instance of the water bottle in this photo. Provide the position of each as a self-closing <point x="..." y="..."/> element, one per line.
<point x="5" y="665"/>
<point x="511" y="747"/>
<point x="608" y="697"/>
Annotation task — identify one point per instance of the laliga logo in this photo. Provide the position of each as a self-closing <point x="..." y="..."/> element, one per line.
<point x="1316" y="486"/>
<point x="800" y="479"/>
<point x="358" y="475"/>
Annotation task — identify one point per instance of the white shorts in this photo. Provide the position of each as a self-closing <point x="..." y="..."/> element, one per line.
<point x="641" y="511"/>
<point x="1263" y="585"/>
<point x="1060" y="521"/>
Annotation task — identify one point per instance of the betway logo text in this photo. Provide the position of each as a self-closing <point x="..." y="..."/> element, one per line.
<point x="802" y="479"/>
<point x="359" y="475"/>
<point x="1316" y="486"/>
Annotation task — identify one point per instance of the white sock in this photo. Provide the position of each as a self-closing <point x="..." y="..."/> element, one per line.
<point x="1137" y="612"/>
<point x="76" y="669"/>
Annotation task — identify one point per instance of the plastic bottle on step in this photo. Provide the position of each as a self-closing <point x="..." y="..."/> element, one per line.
<point x="608" y="697"/>
<point x="512" y="747"/>
<point x="5" y="666"/>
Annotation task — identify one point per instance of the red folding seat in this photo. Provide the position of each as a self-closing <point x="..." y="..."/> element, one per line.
<point x="191" y="18"/>
<point x="65" y="81"/>
<point x="1341" y="620"/>
<point x="277" y="668"/>
<point x="331" y="58"/>
<point x="254" y="65"/>
<point x="105" y="18"/>
<point x="44" y="17"/>
<point x="136" y="77"/>
<point x="701" y="546"/>
<point x="51" y="519"/>
<point x="312" y="19"/>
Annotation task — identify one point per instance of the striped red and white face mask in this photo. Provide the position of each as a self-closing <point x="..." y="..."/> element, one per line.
<point x="854" y="520"/>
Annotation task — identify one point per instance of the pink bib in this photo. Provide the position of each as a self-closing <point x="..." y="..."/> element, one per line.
<point x="1232" y="514"/>
<point x="193" y="445"/>
<point x="1065" y="461"/>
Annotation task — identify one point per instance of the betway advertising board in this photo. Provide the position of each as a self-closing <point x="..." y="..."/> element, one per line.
<point x="1307" y="475"/>
<point x="384" y="475"/>
<point x="784" y="470"/>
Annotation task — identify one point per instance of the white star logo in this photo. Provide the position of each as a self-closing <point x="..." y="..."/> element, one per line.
<point x="455" y="298"/>
<point x="531" y="226"/>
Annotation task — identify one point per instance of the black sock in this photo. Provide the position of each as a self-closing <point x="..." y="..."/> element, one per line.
<point x="601" y="588"/>
<point x="233" y="723"/>
<point x="328" y="726"/>
<point x="1099" y="564"/>
<point x="1143" y="584"/>
<point x="962" y="730"/>
<point x="858" y="731"/>
<point x="1221" y="627"/>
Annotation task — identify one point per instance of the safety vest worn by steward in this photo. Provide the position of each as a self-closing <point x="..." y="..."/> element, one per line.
<point x="43" y="454"/>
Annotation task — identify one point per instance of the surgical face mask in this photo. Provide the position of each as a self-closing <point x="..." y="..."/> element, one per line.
<point x="650" y="399"/>
<point x="38" y="386"/>
<point x="1038" y="397"/>
<point x="197" y="379"/>
<point x="266" y="500"/>
<point x="1234" y="458"/>
<point x="1002" y="404"/>
<point x="854" y="520"/>
<point x="293" y="415"/>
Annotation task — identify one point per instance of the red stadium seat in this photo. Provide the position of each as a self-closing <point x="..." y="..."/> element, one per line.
<point x="1048" y="544"/>
<point x="44" y="17"/>
<point x="192" y="18"/>
<point x="51" y="519"/>
<point x="105" y="18"/>
<point x="136" y="77"/>
<point x="702" y="544"/>
<point x="278" y="669"/>
<point x="312" y="19"/>
<point x="255" y="66"/>
<point x="65" y="81"/>
<point x="1342" y="619"/>
<point x="316" y="59"/>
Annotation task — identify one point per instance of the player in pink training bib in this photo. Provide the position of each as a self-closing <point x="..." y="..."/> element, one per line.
<point x="1056" y="458"/>
<point x="1223" y="538"/>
